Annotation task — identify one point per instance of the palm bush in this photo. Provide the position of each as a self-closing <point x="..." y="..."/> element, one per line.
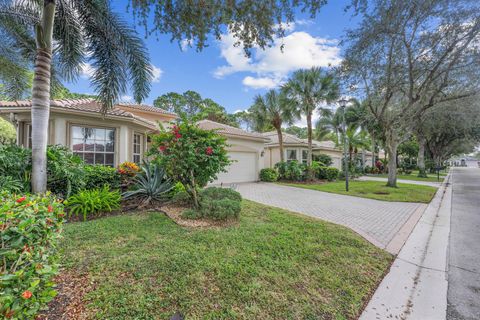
<point x="91" y="202"/>
<point x="151" y="184"/>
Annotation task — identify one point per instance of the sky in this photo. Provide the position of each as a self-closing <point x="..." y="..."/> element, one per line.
<point x="223" y="73"/>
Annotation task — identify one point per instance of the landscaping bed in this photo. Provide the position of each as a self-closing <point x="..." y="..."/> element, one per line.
<point x="272" y="264"/>
<point x="374" y="190"/>
<point x="412" y="177"/>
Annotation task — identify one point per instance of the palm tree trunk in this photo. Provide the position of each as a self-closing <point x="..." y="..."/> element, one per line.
<point x="41" y="97"/>
<point x="309" y="135"/>
<point x="280" y="143"/>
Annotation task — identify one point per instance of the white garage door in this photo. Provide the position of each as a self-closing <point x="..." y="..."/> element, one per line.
<point x="244" y="168"/>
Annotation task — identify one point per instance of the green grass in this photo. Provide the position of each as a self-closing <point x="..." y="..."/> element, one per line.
<point x="413" y="176"/>
<point x="375" y="190"/>
<point x="272" y="265"/>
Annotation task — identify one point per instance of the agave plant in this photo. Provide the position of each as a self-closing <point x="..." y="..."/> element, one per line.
<point x="151" y="183"/>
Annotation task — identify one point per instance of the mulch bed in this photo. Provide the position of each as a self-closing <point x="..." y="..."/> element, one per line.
<point x="69" y="303"/>
<point x="174" y="212"/>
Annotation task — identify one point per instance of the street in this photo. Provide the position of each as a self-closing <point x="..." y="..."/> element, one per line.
<point x="464" y="249"/>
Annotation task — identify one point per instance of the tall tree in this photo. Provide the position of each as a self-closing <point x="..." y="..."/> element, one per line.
<point x="274" y="110"/>
<point x="407" y="56"/>
<point x="59" y="36"/>
<point x="307" y="90"/>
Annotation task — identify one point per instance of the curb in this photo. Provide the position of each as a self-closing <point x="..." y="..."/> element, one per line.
<point x="416" y="285"/>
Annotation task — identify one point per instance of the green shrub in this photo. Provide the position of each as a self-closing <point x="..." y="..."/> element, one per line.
<point x="331" y="173"/>
<point x="324" y="159"/>
<point x="16" y="162"/>
<point x="96" y="176"/>
<point x="30" y="228"/>
<point x="181" y="198"/>
<point x="65" y="174"/>
<point x="150" y="184"/>
<point x="291" y="170"/>
<point x="268" y="175"/>
<point x="217" y="204"/>
<point x="92" y="202"/>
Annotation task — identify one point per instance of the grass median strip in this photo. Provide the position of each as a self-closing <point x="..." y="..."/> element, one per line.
<point x="273" y="264"/>
<point x="374" y="190"/>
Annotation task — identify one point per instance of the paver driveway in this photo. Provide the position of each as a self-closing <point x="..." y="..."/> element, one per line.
<point x="378" y="221"/>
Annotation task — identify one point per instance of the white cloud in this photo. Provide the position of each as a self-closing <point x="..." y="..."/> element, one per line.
<point x="156" y="72"/>
<point x="126" y="98"/>
<point x="87" y="70"/>
<point x="273" y="65"/>
<point x="260" y="83"/>
<point x="185" y="44"/>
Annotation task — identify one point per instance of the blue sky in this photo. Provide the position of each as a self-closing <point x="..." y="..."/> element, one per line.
<point x="222" y="73"/>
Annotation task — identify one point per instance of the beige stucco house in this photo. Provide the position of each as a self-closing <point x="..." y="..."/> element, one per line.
<point x="295" y="148"/>
<point x="121" y="134"/>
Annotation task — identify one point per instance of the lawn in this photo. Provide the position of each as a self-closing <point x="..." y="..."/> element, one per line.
<point x="413" y="177"/>
<point x="271" y="265"/>
<point x="375" y="190"/>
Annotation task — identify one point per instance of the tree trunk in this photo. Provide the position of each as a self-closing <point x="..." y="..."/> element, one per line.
<point x="392" y="164"/>
<point x="41" y="98"/>
<point x="280" y="143"/>
<point x="421" y="157"/>
<point x="373" y="151"/>
<point x="309" y="135"/>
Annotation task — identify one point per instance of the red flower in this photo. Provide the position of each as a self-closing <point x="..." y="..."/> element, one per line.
<point x="209" y="150"/>
<point x="162" y="148"/>
<point x="20" y="200"/>
<point x="50" y="208"/>
<point x="178" y="135"/>
<point x="9" y="314"/>
<point x="27" y="294"/>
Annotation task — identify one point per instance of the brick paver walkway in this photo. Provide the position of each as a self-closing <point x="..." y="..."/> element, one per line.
<point x="378" y="221"/>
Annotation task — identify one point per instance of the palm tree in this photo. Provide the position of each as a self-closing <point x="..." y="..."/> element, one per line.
<point x="307" y="89"/>
<point x="273" y="110"/>
<point x="60" y="36"/>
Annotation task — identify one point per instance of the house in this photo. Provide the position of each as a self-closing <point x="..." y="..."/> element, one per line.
<point x="246" y="149"/>
<point x="295" y="148"/>
<point x="121" y="133"/>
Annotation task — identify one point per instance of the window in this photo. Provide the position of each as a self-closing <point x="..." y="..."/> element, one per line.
<point x="291" y="155"/>
<point x="304" y="156"/>
<point x="94" y="145"/>
<point x="137" y="147"/>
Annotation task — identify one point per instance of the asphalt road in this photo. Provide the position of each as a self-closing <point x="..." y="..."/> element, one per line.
<point x="464" y="249"/>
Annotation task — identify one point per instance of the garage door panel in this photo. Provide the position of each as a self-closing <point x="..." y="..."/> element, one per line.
<point x="243" y="168"/>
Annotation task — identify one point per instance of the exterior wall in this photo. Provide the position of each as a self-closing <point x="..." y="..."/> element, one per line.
<point x="335" y="155"/>
<point x="273" y="155"/>
<point x="60" y="132"/>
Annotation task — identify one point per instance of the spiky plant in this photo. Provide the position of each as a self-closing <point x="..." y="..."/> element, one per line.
<point x="57" y="38"/>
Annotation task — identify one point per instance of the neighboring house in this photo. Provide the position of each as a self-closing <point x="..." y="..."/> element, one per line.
<point x="246" y="149"/>
<point x="121" y="133"/>
<point x="295" y="148"/>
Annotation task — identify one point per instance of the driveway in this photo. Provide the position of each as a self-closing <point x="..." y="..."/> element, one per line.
<point x="385" y="224"/>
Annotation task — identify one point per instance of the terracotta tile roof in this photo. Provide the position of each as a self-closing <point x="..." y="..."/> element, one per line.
<point x="144" y="107"/>
<point x="287" y="138"/>
<point x="229" y="130"/>
<point x="85" y="105"/>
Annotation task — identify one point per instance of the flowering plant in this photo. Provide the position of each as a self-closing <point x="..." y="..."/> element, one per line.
<point x="30" y="227"/>
<point x="128" y="169"/>
<point x="190" y="155"/>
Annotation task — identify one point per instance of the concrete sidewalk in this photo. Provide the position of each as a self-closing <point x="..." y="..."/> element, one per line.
<point x="422" y="183"/>
<point x="416" y="286"/>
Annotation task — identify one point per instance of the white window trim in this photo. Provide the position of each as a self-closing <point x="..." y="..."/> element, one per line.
<point x="141" y="144"/>
<point x="80" y="153"/>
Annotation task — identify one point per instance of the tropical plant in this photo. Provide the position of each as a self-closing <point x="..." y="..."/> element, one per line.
<point x="290" y="170"/>
<point x="65" y="173"/>
<point x="58" y="37"/>
<point x="31" y="227"/>
<point x="16" y="162"/>
<point x="92" y="202"/>
<point x="8" y="134"/>
<point x="10" y="184"/>
<point x="273" y="110"/>
<point x="97" y="176"/>
<point x="202" y="153"/>
<point x="268" y="175"/>
<point x="150" y="184"/>
<point x="306" y="90"/>
<point x="324" y="159"/>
